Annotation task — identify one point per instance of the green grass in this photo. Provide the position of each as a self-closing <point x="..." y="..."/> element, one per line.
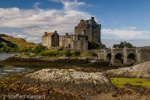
<point x="18" y="41"/>
<point x="120" y="82"/>
<point x="59" y="52"/>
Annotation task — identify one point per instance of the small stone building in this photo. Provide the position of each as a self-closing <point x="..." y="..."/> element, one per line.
<point x="85" y="31"/>
<point x="50" y="39"/>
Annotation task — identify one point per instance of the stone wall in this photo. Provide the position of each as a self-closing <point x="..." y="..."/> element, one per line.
<point x="144" y="54"/>
<point x="66" y="41"/>
<point x="81" y="43"/>
<point x="89" y="28"/>
<point x="74" y="42"/>
<point x="55" y="40"/>
<point x="46" y="41"/>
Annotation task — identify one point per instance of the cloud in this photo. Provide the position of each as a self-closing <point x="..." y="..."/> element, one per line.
<point x="37" y="21"/>
<point x="36" y="5"/>
<point x="127" y="33"/>
<point x="17" y="35"/>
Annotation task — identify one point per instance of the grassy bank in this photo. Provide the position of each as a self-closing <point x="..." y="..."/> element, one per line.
<point x="68" y="53"/>
<point x="120" y="82"/>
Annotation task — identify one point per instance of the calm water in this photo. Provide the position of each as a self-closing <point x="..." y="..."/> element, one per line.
<point x="7" y="71"/>
<point x="4" y="56"/>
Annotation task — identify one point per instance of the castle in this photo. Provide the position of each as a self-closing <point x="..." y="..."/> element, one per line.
<point x="85" y="31"/>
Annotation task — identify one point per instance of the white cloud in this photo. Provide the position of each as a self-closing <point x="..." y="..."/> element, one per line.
<point x="127" y="33"/>
<point x="36" y="5"/>
<point x="37" y="21"/>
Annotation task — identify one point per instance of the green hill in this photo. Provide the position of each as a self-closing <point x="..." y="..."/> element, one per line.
<point x="11" y="44"/>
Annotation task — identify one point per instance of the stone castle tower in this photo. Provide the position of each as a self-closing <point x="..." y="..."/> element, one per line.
<point x="89" y="28"/>
<point x="85" y="31"/>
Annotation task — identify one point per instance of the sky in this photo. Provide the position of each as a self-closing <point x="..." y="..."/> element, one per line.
<point x="120" y="19"/>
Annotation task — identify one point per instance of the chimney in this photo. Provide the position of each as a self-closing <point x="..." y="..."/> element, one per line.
<point x="66" y="33"/>
<point x="45" y="33"/>
<point x="92" y="18"/>
<point x="81" y="20"/>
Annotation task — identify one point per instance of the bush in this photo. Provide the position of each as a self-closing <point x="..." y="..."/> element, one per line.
<point x="95" y="45"/>
<point x="68" y="53"/>
<point x="60" y="49"/>
<point x="39" y="49"/>
<point x="25" y="54"/>
<point x="77" y="53"/>
<point x="86" y="53"/>
<point x="50" y="53"/>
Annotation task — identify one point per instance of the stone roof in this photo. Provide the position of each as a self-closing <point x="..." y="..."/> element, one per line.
<point x="48" y="34"/>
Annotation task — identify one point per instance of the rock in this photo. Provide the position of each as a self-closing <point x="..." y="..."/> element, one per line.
<point x="69" y="79"/>
<point x="38" y="57"/>
<point x="138" y="71"/>
<point x="63" y="57"/>
<point x="87" y="58"/>
<point x="94" y="61"/>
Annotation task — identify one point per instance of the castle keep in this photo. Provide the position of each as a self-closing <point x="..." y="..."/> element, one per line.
<point x="85" y="31"/>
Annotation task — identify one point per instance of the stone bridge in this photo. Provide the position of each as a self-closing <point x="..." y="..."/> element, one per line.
<point x="125" y="55"/>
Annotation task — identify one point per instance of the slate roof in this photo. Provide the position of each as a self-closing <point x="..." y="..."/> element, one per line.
<point x="49" y="34"/>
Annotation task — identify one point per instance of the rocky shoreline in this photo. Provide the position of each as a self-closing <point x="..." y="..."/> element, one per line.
<point x="78" y="83"/>
<point x="69" y="84"/>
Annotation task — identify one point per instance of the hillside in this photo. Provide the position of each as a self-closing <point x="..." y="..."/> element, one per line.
<point x="18" y="41"/>
<point x="11" y="44"/>
<point x="4" y="42"/>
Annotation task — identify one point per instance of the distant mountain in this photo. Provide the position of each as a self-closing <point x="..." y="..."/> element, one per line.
<point x="138" y="43"/>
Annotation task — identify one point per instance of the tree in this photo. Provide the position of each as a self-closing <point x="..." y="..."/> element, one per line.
<point x="123" y="45"/>
<point x="95" y="45"/>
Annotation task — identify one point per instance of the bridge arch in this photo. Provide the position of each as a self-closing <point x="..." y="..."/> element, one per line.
<point x="131" y="58"/>
<point x="108" y="57"/>
<point x="118" y="58"/>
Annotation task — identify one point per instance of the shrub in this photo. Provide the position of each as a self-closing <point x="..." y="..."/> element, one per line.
<point x="60" y="49"/>
<point x="49" y="53"/>
<point x="86" y="53"/>
<point x="95" y="45"/>
<point x="77" y="53"/>
<point x="68" y="53"/>
<point x="39" y="49"/>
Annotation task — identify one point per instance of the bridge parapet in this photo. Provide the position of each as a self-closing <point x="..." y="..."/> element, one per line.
<point x="125" y="55"/>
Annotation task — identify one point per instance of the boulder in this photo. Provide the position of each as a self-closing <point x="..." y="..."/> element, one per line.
<point x="138" y="71"/>
<point x="69" y="79"/>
